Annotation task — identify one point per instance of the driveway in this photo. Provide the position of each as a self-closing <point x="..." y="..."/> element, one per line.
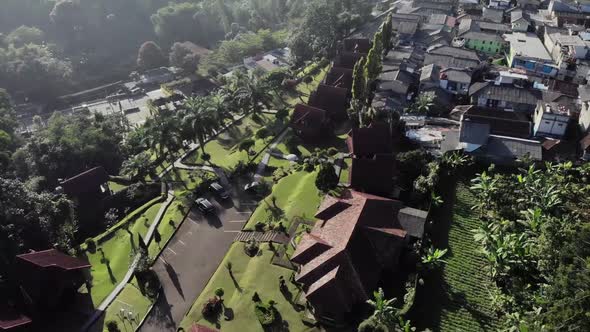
<point x="191" y="258"/>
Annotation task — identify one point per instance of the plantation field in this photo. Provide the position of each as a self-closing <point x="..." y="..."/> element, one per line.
<point x="456" y="298"/>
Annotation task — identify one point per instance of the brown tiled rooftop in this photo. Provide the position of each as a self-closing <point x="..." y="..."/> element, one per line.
<point x="86" y="181"/>
<point x="54" y="258"/>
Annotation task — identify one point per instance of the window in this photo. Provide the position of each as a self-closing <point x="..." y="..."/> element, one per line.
<point x="483" y="42"/>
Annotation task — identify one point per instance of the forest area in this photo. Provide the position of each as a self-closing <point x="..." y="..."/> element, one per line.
<point x="49" y="47"/>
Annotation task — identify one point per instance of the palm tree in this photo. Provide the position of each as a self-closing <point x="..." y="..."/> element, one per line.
<point x="138" y="166"/>
<point x="422" y="104"/>
<point x="254" y="93"/>
<point x="200" y="119"/>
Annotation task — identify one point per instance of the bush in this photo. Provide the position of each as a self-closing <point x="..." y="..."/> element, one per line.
<point x="292" y="144"/>
<point x="282" y="114"/>
<point x="266" y="314"/>
<point x="327" y="178"/>
<point x="372" y="325"/>
<point x="112" y="326"/>
<point x="263" y="133"/>
<point x="251" y="248"/>
<point x="332" y="151"/>
<point x="259" y="226"/>
<point x="205" y="156"/>
<point x="309" y="167"/>
<point x="212" y="308"/>
<point x="90" y="245"/>
<point x="219" y="292"/>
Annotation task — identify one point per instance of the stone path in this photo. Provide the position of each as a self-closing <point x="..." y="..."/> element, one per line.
<point x="262" y="237"/>
<point x="266" y="158"/>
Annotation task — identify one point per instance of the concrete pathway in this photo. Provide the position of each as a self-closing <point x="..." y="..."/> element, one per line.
<point x="99" y="311"/>
<point x="266" y="158"/>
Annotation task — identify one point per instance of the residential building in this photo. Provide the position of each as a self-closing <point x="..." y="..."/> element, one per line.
<point x="585" y="147"/>
<point x="569" y="13"/>
<point x="339" y="77"/>
<point x="451" y="80"/>
<point x="470" y="24"/>
<point x="512" y="124"/>
<point x="88" y="186"/>
<point x="370" y="142"/>
<point x="557" y="150"/>
<point x="347" y="59"/>
<point x="491" y="14"/>
<point x="551" y="120"/>
<point x="451" y="57"/>
<point x="356" y="239"/>
<point x="568" y="52"/>
<point x="518" y="22"/>
<point x="489" y="43"/>
<point x="499" y="149"/>
<point x="527" y="52"/>
<point x="269" y="61"/>
<point x="333" y="100"/>
<point x="309" y="123"/>
<point x="584" y="101"/>
<point x="507" y="97"/>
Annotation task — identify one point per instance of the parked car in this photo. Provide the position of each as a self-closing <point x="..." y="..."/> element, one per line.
<point x="204" y="205"/>
<point x="219" y="191"/>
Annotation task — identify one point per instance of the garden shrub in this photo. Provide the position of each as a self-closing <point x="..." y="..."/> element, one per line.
<point x="263" y="133"/>
<point x="219" y="292"/>
<point x="251" y="248"/>
<point x="292" y="143"/>
<point x="112" y="326"/>
<point x="259" y="226"/>
<point x="266" y="314"/>
<point x="372" y="325"/>
<point x="205" y="156"/>
<point x="90" y="245"/>
<point x="327" y="178"/>
<point x="212" y="308"/>
<point x="332" y="151"/>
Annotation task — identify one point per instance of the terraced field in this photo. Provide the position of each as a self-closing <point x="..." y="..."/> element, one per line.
<point x="456" y="298"/>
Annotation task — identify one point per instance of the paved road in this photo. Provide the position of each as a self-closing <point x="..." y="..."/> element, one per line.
<point x="191" y="258"/>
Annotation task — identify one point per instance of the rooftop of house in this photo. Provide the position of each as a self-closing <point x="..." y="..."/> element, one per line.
<point x="54" y="258"/>
<point x="516" y="15"/>
<point x="513" y="148"/>
<point x="201" y="328"/>
<point x="565" y="39"/>
<point x="449" y="61"/>
<point x="397" y="75"/>
<point x="474" y="132"/>
<point x="513" y="124"/>
<point x="374" y="176"/>
<point x="330" y="98"/>
<point x="347" y="59"/>
<point x="456" y="75"/>
<point x="563" y="7"/>
<point x="340" y="219"/>
<point x="405" y="28"/>
<point x="584" y="92"/>
<point x="507" y="93"/>
<point x="11" y="318"/>
<point x="493" y="14"/>
<point x="339" y="77"/>
<point x="429" y="72"/>
<point x="85" y="182"/>
<point x="527" y="45"/>
<point x="457" y="52"/>
<point x="358" y="45"/>
<point x="307" y="116"/>
<point x="368" y="141"/>
<point x="469" y="24"/>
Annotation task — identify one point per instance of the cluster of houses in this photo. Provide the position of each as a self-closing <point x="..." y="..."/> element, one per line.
<point x="509" y="82"/>
<point x="494" y="69"/>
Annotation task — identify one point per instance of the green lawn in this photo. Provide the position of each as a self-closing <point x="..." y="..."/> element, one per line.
<point x="224" y="149"/>
<point x="117" y="249"/>
<point x="114" y="186"/>
<point x="175" y="213"/>
<point x="345" y="170"/>
<point x="130" y="299"/>
<point x="255" y="274"/>
<point x="456" y="298"/>
<point x="187" y="180"/>
<point x="296" y="196"/>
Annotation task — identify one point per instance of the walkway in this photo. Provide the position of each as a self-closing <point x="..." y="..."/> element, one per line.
<point x="266" y="158"/>
<point x="262" y="237"/>
<point x="102" y="307"/>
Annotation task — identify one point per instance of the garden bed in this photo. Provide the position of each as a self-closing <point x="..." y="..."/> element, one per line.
<point x="250" y="275"/>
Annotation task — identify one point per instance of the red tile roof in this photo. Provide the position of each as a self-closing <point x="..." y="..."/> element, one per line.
<point x="200" y="328"/>
<point x="370" y="141"/>
<point x="332" y="99"/>
<point x="54" y="258"/>
<point x="10" y="319"/>
<point x="373" y="176"/>
<point x="357" y="45"/>
<point x="85" y="182"/>
<point x="347" y="59"/>
<point x="339" y="77"/>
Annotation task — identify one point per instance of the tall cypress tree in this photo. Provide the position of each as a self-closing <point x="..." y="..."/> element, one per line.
<point x="359" y="81"/>
<point x="387" y="30"/>
<point x="374" y="63"/>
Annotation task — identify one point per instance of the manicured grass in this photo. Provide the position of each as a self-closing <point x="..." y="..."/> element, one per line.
<point x="296" y="196"/>
<point x="304" y="89"/>
<point x="344" y="171"/>
<point x="224" y="149"/>
<point x="175" y="214"/>
<point x="130" y="299"/>
<point x="117" y="249"/>
<point x="114" y="186"/>
<point x="456" y="298"/>
<point x="187" y="180"/>
<point x="254" y="274"/>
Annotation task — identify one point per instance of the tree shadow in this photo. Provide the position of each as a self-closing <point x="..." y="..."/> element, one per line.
<point x="174" y="277"/>
<point x="161" y="314"/>
<point x="111" y="275"/>
<point x="236" y="284"/>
